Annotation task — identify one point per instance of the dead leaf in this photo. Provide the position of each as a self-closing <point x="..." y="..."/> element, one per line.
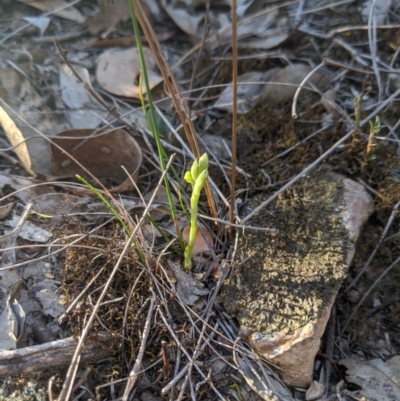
<point x="262" y="30"/>
<point x="315" y="391"/>
<point x="328" y="100"/>
<point x="29" y="231"/>
<point x="118" y="71"/>
<point x="61" y="8"/>
<point x="217" y="145"/>
<point x="188" y="288"/>
<point x="269" y="38"/>
<point x="380" y="11"/>
<point x="5" y="210"/>
<point x="249" y="91"/>
<point x="84" y="111"/>
<point x="40" y="23"/>
<point x="378" y="380"/>
<point x="290" y="77"/>
<point x="273" y="87"/>
<point x="102" y="153"/>
<point x="109" y="16"/>
<point x="204" y="240"/>
<point x="182" y="18"/>
<point x="22" y="112"/>
<point x="24" y="188"/>
<point x="12" y="317"/>
<point x="47" y="293"/>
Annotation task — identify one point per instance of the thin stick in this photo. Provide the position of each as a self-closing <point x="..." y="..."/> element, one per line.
<point x="133" y="375"/>
<point x="303" y="82"/>
<point x="234" y="111"/>
<point x="373" y="44"/>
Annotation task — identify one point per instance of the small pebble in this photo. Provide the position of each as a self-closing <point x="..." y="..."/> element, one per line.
<point x="315" y="391"/>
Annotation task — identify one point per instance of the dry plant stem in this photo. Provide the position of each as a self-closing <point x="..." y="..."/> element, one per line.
<point x="209" y="311"/>
<point x="67" y="386"/>
<point x="133" y="375"/>
<point x="303" y="82"/>
<point x="234" y="111"/>
<point x="323" y="156"/>
<point x="333" y="63"/>
<point x="385" y="231"/>
<point x="173" y="88"/>
<point x="203" y="42"/>
<point x="174" y="336"/>
<point x="373" y="44"/>
<point x="376" y="282"/>
<point x="85" y="84"/>
<point x="81" y="294"/>
<point x="345" y="29"/>
<point x="353" y="52"/>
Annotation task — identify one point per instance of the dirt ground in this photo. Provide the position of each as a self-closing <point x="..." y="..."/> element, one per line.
<point x="191" y="351"/>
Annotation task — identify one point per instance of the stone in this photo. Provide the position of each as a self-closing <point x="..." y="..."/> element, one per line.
<point x="315" y="391"/>
<point x="283" y="293"/>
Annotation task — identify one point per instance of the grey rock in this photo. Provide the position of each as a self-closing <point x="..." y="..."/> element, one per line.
<point x="283" y="294"/>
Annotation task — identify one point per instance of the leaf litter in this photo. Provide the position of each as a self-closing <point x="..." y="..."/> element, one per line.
<point x="297" y="36"/>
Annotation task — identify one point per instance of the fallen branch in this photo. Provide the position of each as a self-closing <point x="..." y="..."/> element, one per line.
<point x="54" y="354"/>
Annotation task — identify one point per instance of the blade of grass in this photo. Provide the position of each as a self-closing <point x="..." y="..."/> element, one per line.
<point x="152" y="120"/>
<point x="114" y="212"/>
<point x="174" y="91"/>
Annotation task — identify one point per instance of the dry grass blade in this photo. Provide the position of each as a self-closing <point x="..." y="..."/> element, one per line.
<point x="234" y="106"/>
<point x="174" y="91"/>
<point x="136" y="368"/>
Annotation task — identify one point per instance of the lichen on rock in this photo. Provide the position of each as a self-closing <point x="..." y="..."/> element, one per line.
<point x="287" y="279"/>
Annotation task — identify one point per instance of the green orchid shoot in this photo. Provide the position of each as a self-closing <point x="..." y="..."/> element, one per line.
<point x="197" y="177"/>
<point x="374" y="128"/>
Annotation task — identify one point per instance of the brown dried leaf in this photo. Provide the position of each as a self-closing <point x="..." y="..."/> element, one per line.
<point x="102" y="153"/>
<point x="109" y="16"/>
<point x="188" y="288"/>
<point x="118" y="71"/>
<point x="204" y="240"/>
<point x="5" y="210"/>
<point x="290" y="77"/>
